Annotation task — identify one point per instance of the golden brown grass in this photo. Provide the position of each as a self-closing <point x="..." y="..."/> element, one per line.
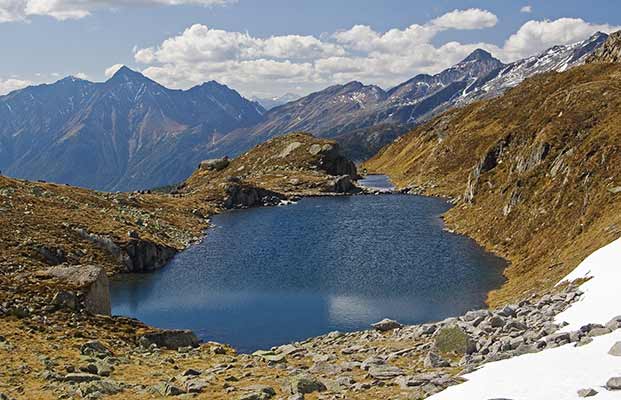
<point x="564" y="208"/>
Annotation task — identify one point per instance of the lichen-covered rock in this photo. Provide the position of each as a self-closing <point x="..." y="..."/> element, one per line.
<point x="453" y="339"/>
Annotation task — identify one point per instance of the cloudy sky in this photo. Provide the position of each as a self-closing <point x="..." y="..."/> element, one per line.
<point x="271" y="47"/>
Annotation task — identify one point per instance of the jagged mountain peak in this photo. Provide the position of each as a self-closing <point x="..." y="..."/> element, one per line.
<point x="125" y="74"/>
<point x="478" y="55"/>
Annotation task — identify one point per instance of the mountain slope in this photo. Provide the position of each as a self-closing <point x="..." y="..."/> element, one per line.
<point x="342" y="110"/>
<point x="127" y="133"/>
<point x="355" y="114"/>
<point x="273" y="102"/>
<point x="535" y="173"/>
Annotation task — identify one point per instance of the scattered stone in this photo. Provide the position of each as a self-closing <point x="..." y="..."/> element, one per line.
<point x="384" y="372"/>
<point x="258" y="392"/>
<point x="171" y="390"/>
<point x="386" y="325"/>
<point x="95" y="348"/>
<point x="77" y="377"/>
<point x="304" y="384"/>
<point x="435" y="361"/>
<point x="104" y="387"/>
<point x="64" y="299"/>
<point x="170" y="339"/>
<point x="614" y="383"/>
<point x="615" y="350"/>
<point x="586" y="392"/>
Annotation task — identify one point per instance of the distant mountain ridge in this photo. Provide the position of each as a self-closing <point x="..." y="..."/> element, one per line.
<point x="131" y="133"/>
<point x="272" y="102"/>
<point x="123" y="134"/>
<point x="364" y="118"/>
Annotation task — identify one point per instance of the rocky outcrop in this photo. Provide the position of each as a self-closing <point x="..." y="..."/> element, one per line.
<point x="89" y="280"/>
<point x="331" y="160"/>
<point x="145" y="256"/>
<point x="135" y="255"/>
<point x="239" y="195"/>
<point x="170" y="339"/>
<point x="610" y="52"/>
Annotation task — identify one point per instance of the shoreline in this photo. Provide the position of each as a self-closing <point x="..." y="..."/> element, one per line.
<point x="365" y="191"/>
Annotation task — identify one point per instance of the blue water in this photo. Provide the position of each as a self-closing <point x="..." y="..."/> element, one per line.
<point x="378" y="182"/>
<point x="268" y="276"/>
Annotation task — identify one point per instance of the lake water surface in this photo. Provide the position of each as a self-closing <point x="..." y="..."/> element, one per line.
<point x="267" y="276"/>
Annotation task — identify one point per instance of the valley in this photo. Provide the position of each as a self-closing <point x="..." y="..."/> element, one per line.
<point x="327" y="289"/>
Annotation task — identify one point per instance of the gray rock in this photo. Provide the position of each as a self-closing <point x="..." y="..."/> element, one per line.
<point x="95" y="348"/>
<point x="89" y="279"/>
<point x="599" y="332"/>
<point x="432" y="360"/>
<point x="372" y="361"/>
<point x="289" y="149"/>
<point x="615" y="350"/>
<point x="65" y="299"/>
<point x="258" y="392"/>
<point x="586" y="392"/>
<point x="453" y="339"/>
<point x="386" y="325"/>
<point x="77" y="377"/>
<point x="105" y="387"/>
<point x="614" y="383"/>
<point x="217" y="164"/>
<point x="171" y="390"/>
<point x="306" y="384"/>
<point x="497" y="322"/>
<point x="384" y="372"/>
<point x="170" y="339"/>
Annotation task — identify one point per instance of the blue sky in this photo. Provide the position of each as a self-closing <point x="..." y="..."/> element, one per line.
<point x="317" y="43"/>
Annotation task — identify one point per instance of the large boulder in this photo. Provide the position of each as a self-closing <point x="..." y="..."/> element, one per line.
<point x="217" y="164"/>
<point x="453" y="339"/>
<point x="170" y="339"/>
<point x="90" y="280"/>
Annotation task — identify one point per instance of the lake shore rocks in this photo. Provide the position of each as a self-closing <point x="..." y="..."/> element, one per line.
<point x="169" y="339"/>
<point x="90" y="280"/>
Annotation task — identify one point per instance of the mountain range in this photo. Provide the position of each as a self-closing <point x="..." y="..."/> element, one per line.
<point x="126" y="133"/>
<point x="272" y="102"/>
<point x="131" y="133"/>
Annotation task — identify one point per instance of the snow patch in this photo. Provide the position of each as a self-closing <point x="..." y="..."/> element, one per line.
<point x="559" y="373"/>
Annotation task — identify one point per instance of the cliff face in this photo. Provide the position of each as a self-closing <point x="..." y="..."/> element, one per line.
<point x="295" y="164"/>
<point x="610" y="52"/>
<point x="535" y="173"/>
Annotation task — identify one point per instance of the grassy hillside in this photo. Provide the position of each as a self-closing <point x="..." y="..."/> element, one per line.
<point x="535" y="173"/>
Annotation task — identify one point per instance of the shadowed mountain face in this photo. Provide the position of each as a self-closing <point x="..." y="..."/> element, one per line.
<point x="124" y="134"/>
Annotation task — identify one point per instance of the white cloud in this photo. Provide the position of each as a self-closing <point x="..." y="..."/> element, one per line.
<point x="279" y="64"/>
<point x="9" y="85"/>
<point x="526" y="9"/>
<point x="473" y="18"/>
<point x="19" y="10"/>
<point x="112" y="70"/>
<point x="81" y="75"/>
<point x="294" y="63"/>
<point x="536" y="36"/>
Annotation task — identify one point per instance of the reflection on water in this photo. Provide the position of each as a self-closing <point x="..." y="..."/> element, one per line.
<point x="268" y="276"/>
<point x="378" y="182"/>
